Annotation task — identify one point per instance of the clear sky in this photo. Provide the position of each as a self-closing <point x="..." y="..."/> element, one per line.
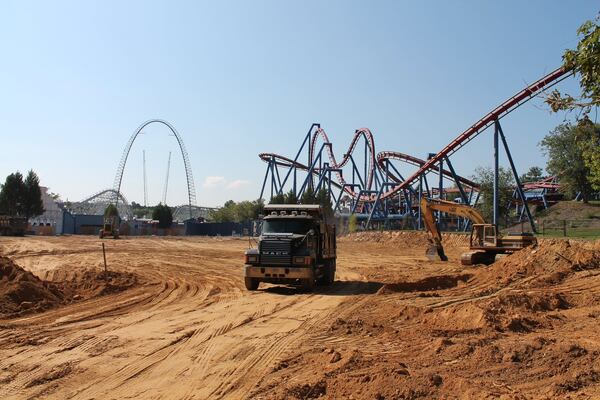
<point x="239" y="78"/>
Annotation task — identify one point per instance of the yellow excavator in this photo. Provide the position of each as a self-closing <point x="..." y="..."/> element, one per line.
<point x="484" y="243"/>
<point x="110" y="227"/>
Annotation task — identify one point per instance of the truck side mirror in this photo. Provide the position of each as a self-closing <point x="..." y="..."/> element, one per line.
<point x="311" y="232"/>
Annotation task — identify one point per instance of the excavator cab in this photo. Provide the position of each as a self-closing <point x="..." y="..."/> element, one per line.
<point x="483" y="235"/>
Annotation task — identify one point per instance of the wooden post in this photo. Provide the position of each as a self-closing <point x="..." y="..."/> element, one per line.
<point x="543" y="228"/>
<point x="104" y="255"/>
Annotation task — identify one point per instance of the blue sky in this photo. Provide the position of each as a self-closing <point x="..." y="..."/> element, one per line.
<point x="239" y="78"/>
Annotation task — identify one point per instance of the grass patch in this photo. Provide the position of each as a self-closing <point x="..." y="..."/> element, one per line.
<point x="573" y="233"/>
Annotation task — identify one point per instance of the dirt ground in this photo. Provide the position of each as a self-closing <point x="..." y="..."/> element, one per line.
<point x="171" y="319"/>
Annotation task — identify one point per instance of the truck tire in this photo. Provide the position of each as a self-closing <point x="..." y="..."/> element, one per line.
<point x="251" y="283"/>
<point x="307" y="285"/>
<point x="328" y="276"/>
<point x="331" y="276"/>
<point x="323" y="279"/>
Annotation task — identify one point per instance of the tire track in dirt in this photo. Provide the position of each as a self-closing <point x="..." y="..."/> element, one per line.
<point x="189" y="330"/>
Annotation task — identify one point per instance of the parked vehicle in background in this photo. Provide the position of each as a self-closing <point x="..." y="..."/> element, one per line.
<point x="12" y="226"/>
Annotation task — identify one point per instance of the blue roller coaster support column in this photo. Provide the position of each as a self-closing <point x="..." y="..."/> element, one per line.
<point x="499" y="131"/>
<point x="440" y="191"/>
<point x="463" y="195"/>
<point x="420" y="197"/>
<point x="495" y="184"/>
<point x="262" y="190"/>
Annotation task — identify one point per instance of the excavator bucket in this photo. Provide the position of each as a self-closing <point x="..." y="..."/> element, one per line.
<point x="435" y="252"/>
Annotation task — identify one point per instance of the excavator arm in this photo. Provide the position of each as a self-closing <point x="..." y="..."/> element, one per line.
<point x="428" y="206"/>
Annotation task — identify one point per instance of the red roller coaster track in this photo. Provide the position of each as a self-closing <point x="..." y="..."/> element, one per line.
<point x="378" y="161"/>
<point x="485" y="122"/>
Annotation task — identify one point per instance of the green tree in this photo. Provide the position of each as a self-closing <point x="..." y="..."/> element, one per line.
<point x="584" y="60"/>
<point x="484" y="176"/>
<point x="225" y="213"/>
<point x="290" y="198"/>
<point x="565" y="160"/>
<point x="279" y="198"/>
<point x="588" y="138"/>
<point x="308" y="197"/>
<point x="238" y="212"/>
<point x="352" y="223"/>
<point x="163" y="214"/>
<point x="248" y="210"/>
<point x="259" y="207"/>
<point x="323" y="199"/>
<point x="533" y="175"/>
<point x="111" y="211"/>
<point x="244" y="211"/>
<point x="12" y="195"/>
<point x="139" y="210"/>
<point x="32" y="196"/>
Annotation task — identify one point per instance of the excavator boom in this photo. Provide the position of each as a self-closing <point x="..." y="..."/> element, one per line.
<point x="428" y="206"/>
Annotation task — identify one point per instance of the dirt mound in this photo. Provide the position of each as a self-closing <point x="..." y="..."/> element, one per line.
<point x="437" y="282"/>
<point x="549" y="263"/>
<point x="22" y="292"/>
<point x="524" y="325"/>
<point x="92" y="283"/>
<point x="406" y="238"/>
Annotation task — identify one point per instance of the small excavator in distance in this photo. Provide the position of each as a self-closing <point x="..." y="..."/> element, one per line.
<point x="110" y="227"/>
<point x="485" y="242"/>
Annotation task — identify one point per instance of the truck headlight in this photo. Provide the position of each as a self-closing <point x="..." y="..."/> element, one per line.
<point x="251" y="259"/>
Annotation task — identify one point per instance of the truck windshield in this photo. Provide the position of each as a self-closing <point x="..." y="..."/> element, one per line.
<point x="298" y="226"/>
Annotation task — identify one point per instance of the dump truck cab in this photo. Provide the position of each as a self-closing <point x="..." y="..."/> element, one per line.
<point x="296" y="246"/>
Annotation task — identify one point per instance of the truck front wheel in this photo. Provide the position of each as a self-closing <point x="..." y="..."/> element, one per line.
<point x="307" y="285"/>
<point x="331" y="273"/>
<point x="328" y="273"/>
<point x="251" y="283"/>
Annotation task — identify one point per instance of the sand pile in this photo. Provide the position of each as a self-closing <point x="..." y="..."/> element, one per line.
<point x="406" y="238"/>
<point x="549" y="263"/>
<point x="21" y="292"/>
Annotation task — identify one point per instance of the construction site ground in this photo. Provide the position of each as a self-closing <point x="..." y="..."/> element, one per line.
<point x="171" y="319"/>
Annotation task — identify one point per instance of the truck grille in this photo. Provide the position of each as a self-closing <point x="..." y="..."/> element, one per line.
<point x="277" y="252"/>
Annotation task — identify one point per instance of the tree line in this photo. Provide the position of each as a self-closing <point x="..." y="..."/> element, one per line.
<point x="161" y="213"/>
<point x="249" y="210"/>
<point x="21" y="197"/>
